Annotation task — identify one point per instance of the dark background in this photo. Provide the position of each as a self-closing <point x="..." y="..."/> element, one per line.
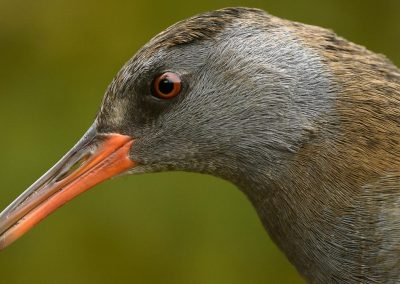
<point x="56" y="59"/>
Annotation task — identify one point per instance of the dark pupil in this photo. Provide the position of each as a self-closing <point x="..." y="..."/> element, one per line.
<point x="166" y="86"/>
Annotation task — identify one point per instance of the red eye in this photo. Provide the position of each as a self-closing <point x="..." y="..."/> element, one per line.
<point x="167" y="85"/>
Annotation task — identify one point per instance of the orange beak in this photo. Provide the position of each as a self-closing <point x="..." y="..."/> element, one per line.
<point x="93" y="159"/>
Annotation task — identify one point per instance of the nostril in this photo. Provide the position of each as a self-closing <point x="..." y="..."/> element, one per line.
<point x="73" y="167"/>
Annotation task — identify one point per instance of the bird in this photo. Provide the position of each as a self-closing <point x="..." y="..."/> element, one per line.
<point x="305" y="123"/>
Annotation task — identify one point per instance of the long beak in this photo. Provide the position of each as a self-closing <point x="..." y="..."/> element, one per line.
<point x="93" y="159"/>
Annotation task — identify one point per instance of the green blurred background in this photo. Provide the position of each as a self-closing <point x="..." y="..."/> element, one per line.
<point x="57" y="57"/>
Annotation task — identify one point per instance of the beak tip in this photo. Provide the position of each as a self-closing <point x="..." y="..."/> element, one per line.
<point x="3" y="244"/>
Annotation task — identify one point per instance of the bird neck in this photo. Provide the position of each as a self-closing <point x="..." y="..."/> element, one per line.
<point x="332" y="208"/>
<point x="327" y="223"/>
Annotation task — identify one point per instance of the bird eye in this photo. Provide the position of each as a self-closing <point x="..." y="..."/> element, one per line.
<point x="167" y="85"/>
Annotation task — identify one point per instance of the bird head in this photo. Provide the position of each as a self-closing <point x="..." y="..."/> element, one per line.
<point x="230" y="93"/>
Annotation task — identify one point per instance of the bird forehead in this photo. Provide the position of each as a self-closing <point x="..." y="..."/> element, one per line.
<point x="203" y="28"/>
<point x="200" y="28"/>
